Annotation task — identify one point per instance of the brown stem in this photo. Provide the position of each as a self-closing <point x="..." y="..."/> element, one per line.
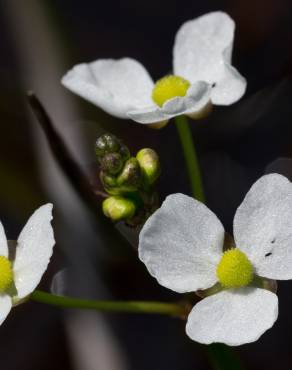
<point x="100" y="193"/>
<point x="70" y="167"/>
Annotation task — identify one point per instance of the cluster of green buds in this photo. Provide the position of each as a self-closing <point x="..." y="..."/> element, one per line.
<point x="129" y="181"/>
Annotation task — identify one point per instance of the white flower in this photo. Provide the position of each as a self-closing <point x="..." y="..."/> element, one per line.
<point x="18" y="278"/>
<point x="202" y="72"/>
<point x="181" y="246"/>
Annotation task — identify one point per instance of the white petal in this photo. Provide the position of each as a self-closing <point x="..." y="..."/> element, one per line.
<point x="115" y="86"/>
<point x="202" y="51"/>
<point x="148" y="115"/>
<point x="233" y="317"/>
<point x="196" y="99"/>
<point x="230" y="88"/>
<point x="263" y="227"/>
<point x="5" y="307"/>
<point x="3" y="242"/>
<point x="34" y="250"/>
<point x="181" y="244"/>
<point x="174" y="106"/>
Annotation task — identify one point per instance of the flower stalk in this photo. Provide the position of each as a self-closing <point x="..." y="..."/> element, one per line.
<point x="223" y="357"/>
<point x="145" y="307"/>
<point x="191" y="158"/>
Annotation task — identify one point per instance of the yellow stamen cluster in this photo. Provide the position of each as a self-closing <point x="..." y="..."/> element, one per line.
<point x="169" y="87"/>
<point x="6" y="273"/>
<point x="234" y="269"/>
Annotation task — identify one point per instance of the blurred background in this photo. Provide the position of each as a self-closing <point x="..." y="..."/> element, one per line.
<point x="40" y="41"/>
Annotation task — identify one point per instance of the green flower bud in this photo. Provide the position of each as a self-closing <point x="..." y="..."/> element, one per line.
<point x="131" y="176"/>
<point x="108" y="181"/>
<point x="106" y="143"/>
<point x="112" y="187"/>
<point x="109" y="144"/>
<point x="118" y="208"/>
<point x="112" y="163"/>
<point x="150" y="165"/>
<point x="124" y="152"/>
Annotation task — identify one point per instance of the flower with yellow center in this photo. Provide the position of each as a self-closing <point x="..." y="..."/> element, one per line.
<point x="19" y="278"/>
<point x="6" y="274"/>
<point x="181" y="245"/>
<point x="169" y="87"/>
<point x="234" y="269"/>
<point x="202" y="74"/>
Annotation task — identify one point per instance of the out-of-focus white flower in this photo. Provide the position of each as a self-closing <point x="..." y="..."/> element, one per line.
<point x="202" y="74"/>
<point x="21" y="275"/>
<point x="181" y="245"/>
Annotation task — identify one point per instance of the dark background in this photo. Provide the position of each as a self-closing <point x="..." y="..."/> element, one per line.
<point x="40" y="41"/>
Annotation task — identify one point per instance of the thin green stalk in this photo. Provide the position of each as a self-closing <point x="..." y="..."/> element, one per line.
<point x="223" y="357"/>
<point x="191" y="159"/>
<point x="171" y="309"/>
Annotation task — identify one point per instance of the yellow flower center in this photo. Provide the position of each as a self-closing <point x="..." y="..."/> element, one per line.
<point x="234" y="269"/>
<point x="6" y="273"/>
<point x="169" y="87"/>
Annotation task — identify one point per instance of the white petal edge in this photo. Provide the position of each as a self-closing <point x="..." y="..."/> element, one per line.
<point x="263" y="227"/>
<point x="3" y="242"/>
<point x="202" y="51"/>
<point x="34" y="250"/>
<point x="231" y="86"/>
<point x="197" y="98"/>
<point x="233" y="317"/>
<point x="181" y="244"/>
<point x="5" y="307"/>
<point x="116" y="86"/>
<point x="148" y="115"/>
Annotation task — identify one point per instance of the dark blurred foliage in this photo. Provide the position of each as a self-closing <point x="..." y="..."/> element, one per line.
<point x="235" y="145"/>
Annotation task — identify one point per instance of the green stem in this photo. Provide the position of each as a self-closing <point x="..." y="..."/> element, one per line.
<point x="223" y="357"/>
<point x="172" y="309"/>
<point x="191" y="159"/>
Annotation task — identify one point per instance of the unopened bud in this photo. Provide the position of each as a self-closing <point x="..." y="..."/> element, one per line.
<point x="108" y="181"/>
<point x="111" y="163"/>
<point x="127" y="181"/>
<point x="130" y="177"/>
<point x="110" y="144"/>
<point x="106" y="143"/>
<point x="118" y="208"/>
<point x="149" y="164"/>
<point x="124" y="152"/>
